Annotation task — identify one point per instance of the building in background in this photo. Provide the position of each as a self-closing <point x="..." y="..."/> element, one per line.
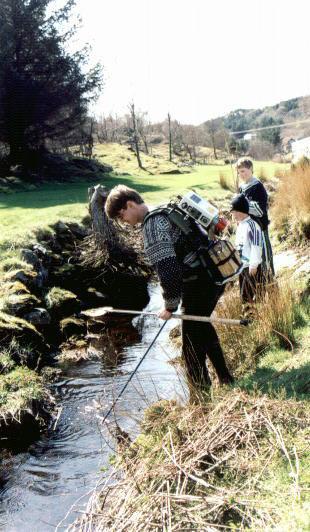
<point x="300" y="148"/>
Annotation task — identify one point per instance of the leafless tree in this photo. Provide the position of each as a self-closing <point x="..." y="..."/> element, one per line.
<point x="143" y="129"/>
<point x="135" y="134"/>
<point x="212" y="128"/>
<point x="170" y="137"/>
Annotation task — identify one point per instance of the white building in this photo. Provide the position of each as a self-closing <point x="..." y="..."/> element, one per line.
<point x="249" y="136"/>
<point x="301" y="148"/>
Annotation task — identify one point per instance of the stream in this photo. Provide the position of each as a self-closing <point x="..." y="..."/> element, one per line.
<point x="57" y="474"/>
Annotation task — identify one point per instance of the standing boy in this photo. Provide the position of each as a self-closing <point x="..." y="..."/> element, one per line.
<point x="249" y="244"/>
<point x="169" y="251"/>
<point x="254" y="190"/>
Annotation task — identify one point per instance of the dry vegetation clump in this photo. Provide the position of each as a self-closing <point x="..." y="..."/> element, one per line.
<point x="262" y="175"/>
<point x="206" y="467"/>
<point x="274" y="322"/>
<point x="291" y="207"/>
<point x="226" y="182"/>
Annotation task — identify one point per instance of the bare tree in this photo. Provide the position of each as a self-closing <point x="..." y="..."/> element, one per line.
<point x="143" y="128"/>
<point x="170" y="137"/>
<point x="213" y="127"/>
<point x="135" y="135"/>
<point x="111" y="129"/>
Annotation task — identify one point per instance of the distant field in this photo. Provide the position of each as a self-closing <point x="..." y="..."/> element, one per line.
<point x="22" y="212"/>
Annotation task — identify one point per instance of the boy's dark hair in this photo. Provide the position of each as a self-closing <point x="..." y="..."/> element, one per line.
<point x="245" y="162"/>
<point x="117" y="199"/>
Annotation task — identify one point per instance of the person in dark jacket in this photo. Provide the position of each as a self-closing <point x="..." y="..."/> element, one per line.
<point x="170" y="252"/>
<point x="256" y="194"/>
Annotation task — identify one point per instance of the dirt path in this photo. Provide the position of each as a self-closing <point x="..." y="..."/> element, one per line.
<point x="299" y="261"/>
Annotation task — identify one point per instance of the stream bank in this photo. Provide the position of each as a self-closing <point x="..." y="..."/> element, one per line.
<point x="42" y="293"/>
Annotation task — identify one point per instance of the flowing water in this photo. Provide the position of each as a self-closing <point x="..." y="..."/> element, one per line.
<point x="38" y="488"/>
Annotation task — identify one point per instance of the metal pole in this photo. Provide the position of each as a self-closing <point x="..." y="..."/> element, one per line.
<point x="134" y="371"/>
<point x="102" y="311"/>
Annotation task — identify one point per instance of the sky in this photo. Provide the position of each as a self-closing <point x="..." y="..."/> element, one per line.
<point x="197" y="59"/>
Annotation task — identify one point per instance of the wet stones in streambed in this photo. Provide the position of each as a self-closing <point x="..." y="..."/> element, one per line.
<point x="74" y="351"/>
<point x="39" y="317"/>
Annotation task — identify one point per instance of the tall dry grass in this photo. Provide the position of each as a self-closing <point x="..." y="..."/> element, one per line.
<point x="227" y="182"/>
<point x="262" y="174"/>
<point x="202" y="468"/>
<point x="291" y="206"/>
<point x="275" y="317"/>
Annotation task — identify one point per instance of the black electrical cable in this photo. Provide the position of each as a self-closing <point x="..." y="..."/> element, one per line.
<point x="134" y="371"/>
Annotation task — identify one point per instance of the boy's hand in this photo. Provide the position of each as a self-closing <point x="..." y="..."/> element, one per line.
<point x="253" y="270"/>
<point x="164" y="314"/>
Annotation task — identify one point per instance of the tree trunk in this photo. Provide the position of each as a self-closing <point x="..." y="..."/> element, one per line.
<point x="170" y="138"/>
<point x="214" y="147"/>
<point x="135" y="134"/>
<point x="103" y="228"/>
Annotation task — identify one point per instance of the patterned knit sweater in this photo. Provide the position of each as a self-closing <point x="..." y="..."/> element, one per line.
<point x="162" y="242"/>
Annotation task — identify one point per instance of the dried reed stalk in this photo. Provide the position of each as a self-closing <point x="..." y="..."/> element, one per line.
<point x="202" y="472"/>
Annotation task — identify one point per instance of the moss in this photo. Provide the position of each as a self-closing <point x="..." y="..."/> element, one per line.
<point x="9" y="264"/>
<point x="61" y="302"/>
<point x="19" y="304"/>
<point x="24" y="276"/>
<point x="56" y="296"/>
<point x="13" y="327"/>
<point x="6" y="362"/>
<point x="50" y="374"/>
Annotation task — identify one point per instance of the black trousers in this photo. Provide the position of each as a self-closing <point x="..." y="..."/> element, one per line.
<point x="200" y="296"/>
<point x="252" y="286"/>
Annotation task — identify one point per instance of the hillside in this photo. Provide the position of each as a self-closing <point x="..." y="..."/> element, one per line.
<point x="283" y="112"/>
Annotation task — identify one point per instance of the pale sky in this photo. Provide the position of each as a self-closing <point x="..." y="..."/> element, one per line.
<point x="198" y="59"/>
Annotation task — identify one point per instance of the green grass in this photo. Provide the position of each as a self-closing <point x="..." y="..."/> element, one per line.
<point x="25" y="211"/>
<point x="282" y="372"/>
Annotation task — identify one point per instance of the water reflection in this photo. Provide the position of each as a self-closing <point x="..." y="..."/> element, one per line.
<point x="115" y="332"/>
